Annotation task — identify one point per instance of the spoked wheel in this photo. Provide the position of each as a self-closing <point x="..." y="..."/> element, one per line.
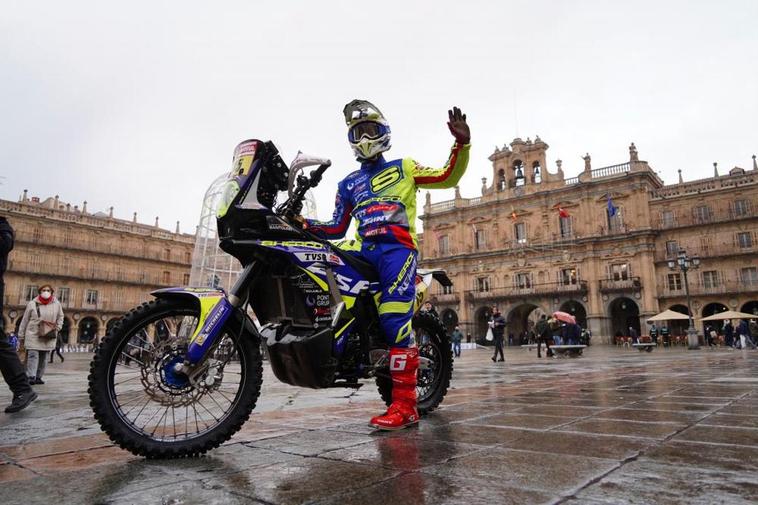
<point x="434" y="380"/>
<point x="149" y="408"/>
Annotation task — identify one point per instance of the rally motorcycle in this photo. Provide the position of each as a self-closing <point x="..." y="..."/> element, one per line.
<point x="179" y="375"/>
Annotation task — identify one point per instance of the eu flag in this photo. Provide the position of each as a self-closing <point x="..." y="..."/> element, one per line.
<point x="611" y="208"/>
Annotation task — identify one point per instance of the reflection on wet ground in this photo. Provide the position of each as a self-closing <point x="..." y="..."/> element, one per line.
<point x="614" y="426"/>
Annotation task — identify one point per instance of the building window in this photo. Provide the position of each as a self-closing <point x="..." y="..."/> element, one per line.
<point x="186" y="279"/>
<point x="167" y="254"/>
<point x="672" y="248"/>
<point x="674" y="282"/>
<point x="479" y="239"/>
<point x="91" y="297"/>
<point x="483" y="284"/>
<point x="710" y="279"/>
<point x="444" y="245"/>
<point x="166" y="277"/>
<point x="536" y="172"/>
<point x="620" y="271"/>
<point x="30" y="292"/>
<point x="566" y="226"/>
<point x="188" y="257"/>
<point x="63" y="295"/>
<point x="523" y="281"/>
<point x="568" y="276"/>
<point x="520" y="232"/>
<point x="702" y="214"/>
<point x="501" y="180"/>
<point x="667" y="218"/>
<point x="447" y="290"/>
<point x="615" y="222"/>
<point x="749" y="276"/>
<point x="745" y="240"/>
<point x="741" y="208"/>
<point x="518" y="172"/>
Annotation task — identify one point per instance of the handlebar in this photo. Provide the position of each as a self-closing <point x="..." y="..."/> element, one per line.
<point x="294" y="204"/>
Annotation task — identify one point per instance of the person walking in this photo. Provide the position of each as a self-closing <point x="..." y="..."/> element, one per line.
<point x="729" y="334"/>
<point x="457" y="336"/>
<point x="58" y="347"/>
<point x="10" y="365"/>
<point x="665" y="335"/>
<point x="654" y="333"/>
<point x="743" y="330"/>
<point x="498" y="332"/>
<point x="43" y="319"/>
<point x="633" y="334"/>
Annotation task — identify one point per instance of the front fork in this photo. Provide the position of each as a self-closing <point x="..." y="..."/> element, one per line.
<point x="215" y="309"/>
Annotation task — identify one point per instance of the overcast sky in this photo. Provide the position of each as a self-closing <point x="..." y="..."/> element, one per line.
<point x="140" y="104"/>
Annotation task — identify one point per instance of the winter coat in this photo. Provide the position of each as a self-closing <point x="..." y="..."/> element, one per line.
<point x="30" y="324"/>
<point x="457" y="336"/>
<point x="498" y="326"/>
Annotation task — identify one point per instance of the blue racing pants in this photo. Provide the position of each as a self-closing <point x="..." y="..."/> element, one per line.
<point x="396" y="266"/>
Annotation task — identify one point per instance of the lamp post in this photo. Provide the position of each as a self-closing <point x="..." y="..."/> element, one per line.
<point x="685" y="263"/>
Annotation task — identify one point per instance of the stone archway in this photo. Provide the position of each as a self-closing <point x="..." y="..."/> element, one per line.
<point x="750" y="307"/>
<point x="577" y="310"/>
<point x="711" y="309"/>
<point x="110" y="323"/>
<point x="449" y="319"/>
<point x="522" y="318"/>
<point x="88" y="328"/>
<point x="624" y="312"/>
<point x="679" y="326"/>
<point x="481" y="317"/>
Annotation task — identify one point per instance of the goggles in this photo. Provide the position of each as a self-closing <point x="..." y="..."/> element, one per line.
<point x="369" y="129"/>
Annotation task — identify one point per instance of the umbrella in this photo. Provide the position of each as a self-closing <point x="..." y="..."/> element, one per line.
<point x="564" y="316"/>
<point x="729" y="314"/>
<point x="668" y="315"/>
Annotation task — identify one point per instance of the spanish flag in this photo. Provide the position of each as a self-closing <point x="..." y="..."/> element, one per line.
<point x="514" y="216"/>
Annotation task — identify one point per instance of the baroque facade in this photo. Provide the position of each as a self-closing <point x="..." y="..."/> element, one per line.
<point x="596" y="245"/>
<point x="99" y="266"/>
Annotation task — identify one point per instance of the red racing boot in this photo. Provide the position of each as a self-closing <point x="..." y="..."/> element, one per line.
<point x="402" y="412"/>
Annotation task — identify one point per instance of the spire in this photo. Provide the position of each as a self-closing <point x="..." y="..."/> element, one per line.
<point x="84" y="207"/>
<point x="156" y="221"/>
<point x="755" y="165"/>
<point x="715" y="169"/>
<point x="177" y="227"/>
<point x="26" y="195"/>
<point x="681" y="181"/>
<point x="134" y="218"/>
<point x="110" y="212"/>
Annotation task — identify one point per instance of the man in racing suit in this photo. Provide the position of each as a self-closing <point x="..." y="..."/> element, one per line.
<point x="381" y="196"/>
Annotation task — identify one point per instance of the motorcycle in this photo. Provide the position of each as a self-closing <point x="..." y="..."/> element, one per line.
<point x="179" y="375"/>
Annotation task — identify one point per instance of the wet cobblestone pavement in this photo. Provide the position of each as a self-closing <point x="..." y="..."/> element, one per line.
<point x="613" y="427"/>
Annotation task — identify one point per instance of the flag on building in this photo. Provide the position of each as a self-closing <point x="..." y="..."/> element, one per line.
<point x="514" y="216"/>
<point x="562" y="212"/>
<point x="612" y="209"/>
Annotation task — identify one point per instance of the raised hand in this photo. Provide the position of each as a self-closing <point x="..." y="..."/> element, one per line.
<point x="458" y="126"/>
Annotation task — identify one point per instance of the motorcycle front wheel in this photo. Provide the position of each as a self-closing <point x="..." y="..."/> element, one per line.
<point x="148" y="408"/>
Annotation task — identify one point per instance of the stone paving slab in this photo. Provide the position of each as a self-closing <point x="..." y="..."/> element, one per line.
<point x="612" y="427"/>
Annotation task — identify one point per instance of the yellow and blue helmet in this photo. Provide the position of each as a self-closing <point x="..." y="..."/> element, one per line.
<point x="368" y="131"/>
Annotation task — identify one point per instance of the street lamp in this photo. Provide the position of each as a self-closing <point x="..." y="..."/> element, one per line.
<point x="685" y="263"/>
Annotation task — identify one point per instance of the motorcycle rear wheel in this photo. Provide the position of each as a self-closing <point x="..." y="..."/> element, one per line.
<point x="151" y="411"/>
<point x="433" y="344"/>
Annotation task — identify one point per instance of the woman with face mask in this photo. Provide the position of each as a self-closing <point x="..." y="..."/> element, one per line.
<point x="39" y="328"/>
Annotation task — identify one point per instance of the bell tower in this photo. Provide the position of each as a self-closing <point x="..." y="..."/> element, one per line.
<point x="521" y="168"/>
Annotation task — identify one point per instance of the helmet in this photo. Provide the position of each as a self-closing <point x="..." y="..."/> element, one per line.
<point x="368" y="130"/>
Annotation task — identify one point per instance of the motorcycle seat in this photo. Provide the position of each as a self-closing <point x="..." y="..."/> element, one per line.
<point x="362" y="266"/>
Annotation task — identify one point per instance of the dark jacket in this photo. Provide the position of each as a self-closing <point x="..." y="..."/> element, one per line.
<point x="498" y="329"/>
<point x="742" y="328"/>
<point x="6" y="244"/>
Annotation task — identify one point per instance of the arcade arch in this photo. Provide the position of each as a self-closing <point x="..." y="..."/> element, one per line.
<point x="449" y="319"/>
<point x="88" y="328"/>
<point x="624" y="313"/>
<point x="577" y="310"/>
<point x="522" y="318"/>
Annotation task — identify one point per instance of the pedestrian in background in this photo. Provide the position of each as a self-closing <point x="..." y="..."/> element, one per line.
<point x="457" y="336"/>
<point x="10" y="365"/>
<point x="58" y="347"/>
<point x="729" y="334"/>
<point x="665" y="335"/>
<point x="633" y="334"/>
<point x="498" y="332"/>
<point x="43" y="319"/>
<point x="654" y="333"/>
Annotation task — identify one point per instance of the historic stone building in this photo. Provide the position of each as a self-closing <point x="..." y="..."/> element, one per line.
<point x="99" y="266"/>
<point x="595" y="245"/>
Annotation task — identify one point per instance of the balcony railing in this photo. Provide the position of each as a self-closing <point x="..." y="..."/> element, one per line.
<point x="725" y="249"/>
<point x="446" y="297"/>
<point x="717" y="214"/>
<point x="89" y="273"/>
<point x="699" y="187"/>
<point x="611" y="170"/>
<point x="548" y="288"/>
<point x="611" y="285"/>
<point x="723" y="287"/>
